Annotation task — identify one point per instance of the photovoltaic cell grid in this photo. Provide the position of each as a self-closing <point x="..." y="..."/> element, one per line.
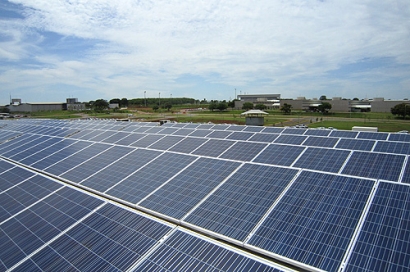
<point x="355" y="144"/>
<point x="184" y="191"/>
<point x="328" y="160"/>
<point x="393" y="147"/>
<point x="315" y="220"/>
<point x="184" y="252"/>
<point x="188" y="145"/>
<point x="290" y="139"/>
<point x="374" y="165"/>
<point x="235" y="208"/>
<point x="320" y="141"/>
<point x="243" y="151"/>
<point x="384" y="241"/>
<point x="279" y="154"/>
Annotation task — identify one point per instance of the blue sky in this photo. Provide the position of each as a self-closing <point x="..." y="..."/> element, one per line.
<point x="52" y="50"/>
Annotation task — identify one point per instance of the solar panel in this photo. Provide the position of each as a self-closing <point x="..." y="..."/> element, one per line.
<point x="279" y="154"/>
<point x="141" y="183"/>
<point x="263" y="137"/>
<point x="329" y="160"/>
<point x="399" y="137"/>
<point x="4" y="165"/>
<point x="393" y="147"/>
<point x="237" y="206"/>
<point x="112" y="174"/>
<point x="384" y="239"/>
<point x="22" y="195"/>
<point x="147" y="140"/>
<point x="220" y="127"/>
<point x="318" y="132"/>
<point x="116" y="137"/>
<point x="213" y="148"/>
<point x="374" y="165"/>
<point x="315" y="220"/>
<point x="406" y="173"/>
<point x="95" y="164"/>
<point x="184" y="191"/>
<point x="343" y="134"/>
<point x="111" y="239"/>
<point x="290" y="139"/>
<point x="168" y="130"/>
<point x="243" y="136"/>
<point x="188" y="145"/>
<point x="31" y="150"/>
<point x="184" y="252"/>
<point x="27" y="231"/>
<point x="235" y="128"/>
<point x="166" y="142"/>
<point x="200" y="133"/>
<point x="220" y="134"/>
<point x="372" y="135"/>
<point x="72" y="161"/>
<point x="320" y="141"/>
<point x="87" y="136"/>
<point x="133" y="137"/>
<point x="191" y="126"/>
<point x="100" y="137"/>
<point x="13" y="147"/>
<point x="355" y="144"/>
<point x="183" y="132"/>
<point x="243" y="151"/>
<point x="12" y="176"/>
<point x="297" y="131"/>
<point x="253" y="128"/>
<point x="272" y="130"/>
<point x="205" y="126"/>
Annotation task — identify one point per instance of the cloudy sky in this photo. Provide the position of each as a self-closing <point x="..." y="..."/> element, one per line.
<point x="90" y="49"/>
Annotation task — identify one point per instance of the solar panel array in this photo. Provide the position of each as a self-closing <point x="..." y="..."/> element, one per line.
<point x="138" y="196"/>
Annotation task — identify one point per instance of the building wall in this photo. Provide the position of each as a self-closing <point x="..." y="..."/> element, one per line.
<point x="27" y="107"/>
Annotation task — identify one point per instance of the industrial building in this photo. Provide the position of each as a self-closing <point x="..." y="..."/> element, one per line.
<point x="16" y="105"/>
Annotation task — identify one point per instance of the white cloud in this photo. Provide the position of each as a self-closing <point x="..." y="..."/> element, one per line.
<point x="140" y="45"/>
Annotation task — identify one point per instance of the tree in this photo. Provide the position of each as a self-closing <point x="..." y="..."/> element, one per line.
<point x="213" y="105"/>
<point x="260" y="107"/>
<point x="402" y="110"/>
<point x="323" y="97"/>
<point x="231" y="103"/>
<point x="115" y="101"/>
<point x="355" y="99"/>
<point x="324" y="107"/>
<point x="247" y="106"/>
<point x="286" y="108"/>
<point x="168" y="106"/>
<point x="222" y="106"/>
<point x="100" y="105"/>
<point x="155" y="107"/>
<point x="124" y="102"/>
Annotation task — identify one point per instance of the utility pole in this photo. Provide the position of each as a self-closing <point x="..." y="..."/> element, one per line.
<point x="145" y="98"/>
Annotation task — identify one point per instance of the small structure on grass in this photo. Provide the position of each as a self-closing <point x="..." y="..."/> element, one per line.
<point x="254" y="117"/>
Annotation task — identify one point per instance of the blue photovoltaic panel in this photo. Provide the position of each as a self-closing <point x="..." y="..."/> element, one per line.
<point x="24" y="194"/>
<point x="329" y="160"/>
<point x="318" y="132"/>
<point x="374" y="165"/>
<point x="90" y="135"/>
<point x="393" y="147"/>
<point x="263" y="137"/>
<point x="243" y="151"/>
<point x="116" y="137"/>
<point x="111" y="239"/>
<point x="179" y="125"/>
<point x="220" y="127"/>
<point x="154" y="130"/>
<point x="95" y="164"/>
<point x="200" y="133"/>
<point x="102" y="136"/>
<point x="166" y="142"/>
<point x="205" y="126"/>
<point x="279" y="154"/>
<point x="133" y="137"/>
<point x="290" y="139"/>
<point x="253" y="128"/>
<point x="400" y="137"/>
<point x="220" y="134"/>
<point x="115" y="172"/>
<point x="16" y="142"/>
<point x="183" y="131"/>
<point x="32" y="228"/>
<point x="213" y="148"/>
<point x="192" y="126"/>
<point x="297" y="131"/>
<point x="372" y="135"/>
<point x="168" y="130"/>
<point x="384" y="240"/>
<point x="4" y="165"/>
<point x="343" y="134"/>
<point x="355" y="144"/>
<point x="81" y="133"/>
<point x="184" y="191"/>
<point x="142" y="129"/>
<point x="320" y="141"/>
<point x="12" y="177"/>
<point x="188" y="145"/>
<point x="272" y="130"/>
<point x="24" y="146"/>
<point x="70" y="162"/>
<point x="235" y="128"/>
<point x="315" y="220"/>
<point x="150" y="177"/>
<point x="238" y="205"/>
<point x="236" y="135"/>
<point x="186" y="253"/>
<point x="4" y="136"/>
<point x="31" y="150"/>
<point x="406" y="173"/>
<point x="147" y="140"/>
